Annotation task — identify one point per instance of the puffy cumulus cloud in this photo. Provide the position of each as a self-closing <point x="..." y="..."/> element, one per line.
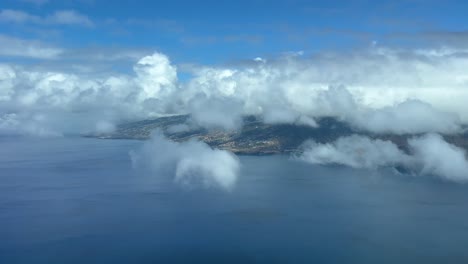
<point x="80" y="103"/>
<point x="380" y="90"/>
<point x="156" y="75"/>
<point x="429" y="154"/>
<point x="355" y="151"/>
<point x="216" y="113"/>
<point x="190" y="163"/>
<point x="436" y="156"/>
<point x="409" y="117"/>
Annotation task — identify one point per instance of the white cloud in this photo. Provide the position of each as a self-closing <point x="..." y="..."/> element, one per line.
<point x="409" y="117"/>
<point x="436" y="156"/>
<point x="7" y="75"/>
<point x="216" y="113"/>
<point x="78" y="102"/>
<point x="384" y="92"/>
<point x="428" y="155"/>
<point x="105" y="54"/>
<point x="27" y="48"/>
<point x="18" y="16"/>
<point x="379" y="90"/>
<point x="354" y="151"/>
<point x="156" y="75"/>
<point x="190" y="163"/>
<point x="60" y="17"/>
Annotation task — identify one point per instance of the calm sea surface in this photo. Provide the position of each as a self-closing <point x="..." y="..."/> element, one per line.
<point x="76" y="200"/>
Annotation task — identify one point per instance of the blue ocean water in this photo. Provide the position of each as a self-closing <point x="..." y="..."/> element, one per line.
<point x="78" y="200"/>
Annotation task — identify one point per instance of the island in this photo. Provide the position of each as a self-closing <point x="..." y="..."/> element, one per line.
<point x="256" y="137"/>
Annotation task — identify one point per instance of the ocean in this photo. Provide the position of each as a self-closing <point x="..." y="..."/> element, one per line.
<point x="79" y="200"/>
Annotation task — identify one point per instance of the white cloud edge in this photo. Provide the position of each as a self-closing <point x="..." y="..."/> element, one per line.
<point x="392" y="97"/>
<point x="428" y="154"/>
<point x="191" y="163"/>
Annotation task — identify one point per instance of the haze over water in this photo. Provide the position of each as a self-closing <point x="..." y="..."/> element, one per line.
<point x="75" y="200"/>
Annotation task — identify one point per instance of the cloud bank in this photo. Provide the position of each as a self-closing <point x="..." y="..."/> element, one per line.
<point x="378" y="90"/>
<point x="76" y="103"/>
<point x="428" y="155"/>
<point x="191" y="163"/>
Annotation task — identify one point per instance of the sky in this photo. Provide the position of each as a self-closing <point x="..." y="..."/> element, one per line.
<point x="215" y="32"/>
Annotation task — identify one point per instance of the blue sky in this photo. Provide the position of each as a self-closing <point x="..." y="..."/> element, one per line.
<point x="211" y="32"/>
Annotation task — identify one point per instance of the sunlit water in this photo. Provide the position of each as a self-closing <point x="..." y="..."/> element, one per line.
<point x="76" y="200"/>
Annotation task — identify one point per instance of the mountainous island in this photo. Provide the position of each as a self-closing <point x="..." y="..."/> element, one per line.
<point x="256" y="137"/>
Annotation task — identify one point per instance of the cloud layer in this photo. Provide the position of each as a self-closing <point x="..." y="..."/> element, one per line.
<point x="191" y="163"/>
<point x="376" y="89"/>
<point x="75" y="103"/>
<point x="428" y="155"/>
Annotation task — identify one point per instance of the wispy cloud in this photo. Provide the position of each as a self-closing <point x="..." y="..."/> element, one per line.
<point x="17" y="47"/>
<point x="60" y="17"/>
<point x="105" y="54"/>
<point x="17" y="16"/>
<point x="69" y="17"/>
